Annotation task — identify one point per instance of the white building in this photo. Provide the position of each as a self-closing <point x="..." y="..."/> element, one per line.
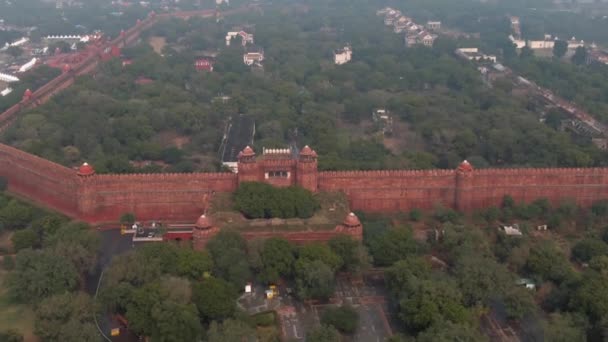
<point x="6" y="91"/>
<point x="343" y="56"/>
<point x="27" y="66"/>
<point x="6" y="78"/>
<point x="246" y="38"/>
<point x="511" y="230"/>
<point x="434" y="25"/>
<point x="251" y="58"/>
<point x="473" y="54"/>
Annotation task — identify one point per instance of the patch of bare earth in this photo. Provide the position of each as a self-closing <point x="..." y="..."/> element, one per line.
<point x="172" y="138"/>
<point x="157" y="43"/>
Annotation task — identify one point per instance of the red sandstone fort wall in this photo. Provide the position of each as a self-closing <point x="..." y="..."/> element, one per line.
<point x="583" y="185"/>
<point x="151" y="196"/>
<point x="391" y="191"/>
<point x="39" y="180"/>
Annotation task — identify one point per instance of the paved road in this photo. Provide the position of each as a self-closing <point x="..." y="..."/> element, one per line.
<point x="112" y="244"/>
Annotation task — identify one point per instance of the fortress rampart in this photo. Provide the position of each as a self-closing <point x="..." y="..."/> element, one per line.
<point x="85" y="195"/>
<point x="91" y="197"/>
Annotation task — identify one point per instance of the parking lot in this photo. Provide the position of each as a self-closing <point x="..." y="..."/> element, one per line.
<point x="365" y="294"/>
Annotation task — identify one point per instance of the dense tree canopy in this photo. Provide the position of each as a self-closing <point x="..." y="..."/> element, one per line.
<point x="66" y="317"/>
<point x="261" y="200"/>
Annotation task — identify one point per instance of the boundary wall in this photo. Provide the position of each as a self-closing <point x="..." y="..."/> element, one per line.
<point x="150" y="196"/>
<point x="103" y="198"/>
<point x="100" y="198"/>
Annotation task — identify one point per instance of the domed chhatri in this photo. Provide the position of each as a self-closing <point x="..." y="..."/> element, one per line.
<point x="248" y="152"/>
<point x="306" y="151"/>
<point x="86" y="170"/>
<point x="203" y="222"/>
<point x="27" y="94"/>
<point x="465" y="166"/>
<point x="351" y="221"/>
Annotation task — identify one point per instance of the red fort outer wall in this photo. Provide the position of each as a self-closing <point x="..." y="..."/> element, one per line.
<point x="82" y="194"/>
<point x="41" y="181"/>
<point x="171" y="196"/>
<point x="464" y="189"/>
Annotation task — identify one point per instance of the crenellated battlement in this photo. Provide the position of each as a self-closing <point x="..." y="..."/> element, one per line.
<point x="85" y="195"/>
<point x="164" y="176"/>
<point x="386" y="173"/>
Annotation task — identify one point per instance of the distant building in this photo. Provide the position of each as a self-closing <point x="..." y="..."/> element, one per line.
<point x="384" y="120"/>
<point x="239" y="134"/>
<point x="511" y="230"/>
<point x="473" y="54"/>
<point x="8" y="78"/>
<point x="343" y="56"/>
<point x="527" y="283"/>
<point x="255" y="57"/>
<point x="515" y="26"/>
<point x="246" y="38"/>
<point x="28" y="66"/>
<point x="203" y="64"/>
<point x="6" y="91"/>
<point x="434" y="25"/>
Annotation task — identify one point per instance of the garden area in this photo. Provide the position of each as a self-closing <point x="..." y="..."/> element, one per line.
<point x="247" y="210"/>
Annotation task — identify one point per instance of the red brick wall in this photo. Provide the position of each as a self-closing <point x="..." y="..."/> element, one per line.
<point x="151" y="196"/>
<point x="46" y="183"/>
<point x="185" y="196"/>
<point x="583" y="185"/>
<point x="391" y="191"/>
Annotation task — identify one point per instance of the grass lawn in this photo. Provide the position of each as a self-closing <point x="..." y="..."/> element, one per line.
<point x="18" y="317"/>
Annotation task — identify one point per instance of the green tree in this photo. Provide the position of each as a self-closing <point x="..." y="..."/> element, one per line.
<point x="277" y="259"/>
<point x="600" y="208"/>
<point x="548" y="262"/>
<point x="25" y="238"/>
<point x="230" y="261"/>
<point x="127" y="218"/>
<point x="41" y="274"/>
<point x="588" y="248"/>
<point x="580" y="56"/>
<point x="175" y="322"/>
<point x="430" y="302"/>
<point x="519" y="302"/>
<point x="8" y="263"/>
<point x="560" y="48"/>
<point x="155" y="310"/>
<point x="16" y="215"/>
<point x="314" y="279"/>
<point x="77" y="243"/>
<point x="230" y="330"/>
<point x="565" y="327"/>
<point x="591" y="297"/>
<point x="415" y="215"/>
<point x="481" y="278"/>
<point x="193" y="264"/>
<point x="508" y="202"/>
<point x="393" y="245"/>
<point x="343" y="318"/>
<point x="404" y="273"/>
<point x="352" y="253"/>
<point x="323" y="333"/>
<point x="446" y="331"/>
<point x="66" y="317"/>
<point x="11" y="336"/>
<point x="321" y="252"/>
<point x="215" y="299"/>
